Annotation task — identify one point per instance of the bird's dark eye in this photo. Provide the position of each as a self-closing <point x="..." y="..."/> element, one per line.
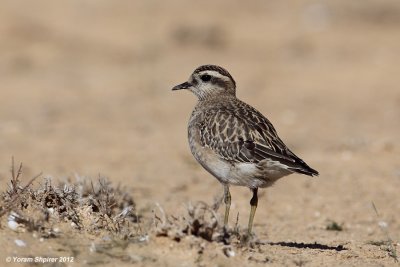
<point x="205" y="77"/>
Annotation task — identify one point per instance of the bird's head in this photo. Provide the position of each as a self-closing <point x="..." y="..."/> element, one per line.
<point x="209" y="81"/>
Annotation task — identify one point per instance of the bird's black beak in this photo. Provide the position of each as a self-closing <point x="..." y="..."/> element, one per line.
<point x="181" y="86"/>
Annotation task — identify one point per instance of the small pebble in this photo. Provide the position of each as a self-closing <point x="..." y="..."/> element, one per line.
<point x="383" y="224"/>
<point x="144" y="238"/>
<point x="20" y="243"/>
<point x="229" y="252"/>
<point x="13" y="225"/>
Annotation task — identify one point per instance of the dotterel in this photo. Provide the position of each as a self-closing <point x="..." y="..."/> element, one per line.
<point x="232" y="140"/>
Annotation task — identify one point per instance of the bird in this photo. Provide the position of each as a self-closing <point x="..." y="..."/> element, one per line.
<point x="233" y="141"/>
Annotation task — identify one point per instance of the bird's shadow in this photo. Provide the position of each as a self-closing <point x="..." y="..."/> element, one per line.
<point x="304" y="245"/>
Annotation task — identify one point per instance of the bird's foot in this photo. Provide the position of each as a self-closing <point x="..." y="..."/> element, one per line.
<point x="248" y="239"/>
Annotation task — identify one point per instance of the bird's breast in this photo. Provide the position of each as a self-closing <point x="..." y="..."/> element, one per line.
<point x="207" y="158"/>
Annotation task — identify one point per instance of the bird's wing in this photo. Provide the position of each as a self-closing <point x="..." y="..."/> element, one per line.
<point x="242" y="134"/>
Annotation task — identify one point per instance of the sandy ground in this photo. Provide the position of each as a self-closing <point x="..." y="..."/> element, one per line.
<point x="85" y="90"/>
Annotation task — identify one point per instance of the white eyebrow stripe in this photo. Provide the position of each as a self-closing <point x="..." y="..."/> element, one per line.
<point x="215" y="74"/>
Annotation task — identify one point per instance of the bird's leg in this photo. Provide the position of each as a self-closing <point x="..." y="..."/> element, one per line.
<point x="227" y="201"/>
<point x="253" y="204"/>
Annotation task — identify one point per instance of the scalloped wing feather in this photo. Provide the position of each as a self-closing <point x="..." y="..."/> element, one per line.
<point x="239" y="133"/>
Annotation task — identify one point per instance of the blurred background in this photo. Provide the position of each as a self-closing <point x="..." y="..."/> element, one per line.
<point x="86" y="89"/>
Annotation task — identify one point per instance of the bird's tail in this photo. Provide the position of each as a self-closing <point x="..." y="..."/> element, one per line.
<point x="303" y="168"/>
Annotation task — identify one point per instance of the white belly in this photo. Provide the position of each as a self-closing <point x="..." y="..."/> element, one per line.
<point x="242" y="174"/>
